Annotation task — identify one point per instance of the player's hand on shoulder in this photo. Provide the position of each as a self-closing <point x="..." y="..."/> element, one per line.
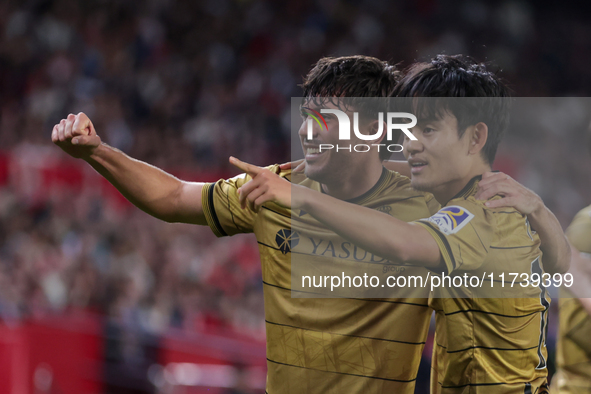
<point x="513" y="194"/>
<point x="76" y="136"/>
<point x="265" y="186"/>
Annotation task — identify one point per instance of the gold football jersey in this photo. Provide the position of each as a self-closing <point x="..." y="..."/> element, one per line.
<point x="330" y="345"/>
<point x="573" y="349"/>
<point x="487" y="345"/>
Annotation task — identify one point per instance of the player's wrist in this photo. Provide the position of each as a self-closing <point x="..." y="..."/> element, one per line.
<point x="539" y="217"/>
<point x="539" y="209"/>
<point x="95" y="153"/>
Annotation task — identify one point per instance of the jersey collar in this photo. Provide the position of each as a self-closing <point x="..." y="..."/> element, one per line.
<point x="469" y="189"/>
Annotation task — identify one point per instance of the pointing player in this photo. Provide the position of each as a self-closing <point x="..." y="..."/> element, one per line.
<point x="313" y="345"/>
<point x="483" y="345"/>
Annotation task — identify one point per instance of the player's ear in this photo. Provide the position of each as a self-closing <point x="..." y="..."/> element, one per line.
<point x="374" y="127"/>
<point x="478" y="138"/>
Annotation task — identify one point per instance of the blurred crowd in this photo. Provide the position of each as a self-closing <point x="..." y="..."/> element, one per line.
<point x="184" y="84"/>
<point x="85" y="252"/>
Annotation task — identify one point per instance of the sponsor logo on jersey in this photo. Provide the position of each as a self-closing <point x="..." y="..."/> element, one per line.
<point x="451" y="219"/>
<point x="286" y="240"/>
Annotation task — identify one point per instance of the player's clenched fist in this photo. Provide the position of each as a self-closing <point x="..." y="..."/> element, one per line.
<point x="76" y="135"/>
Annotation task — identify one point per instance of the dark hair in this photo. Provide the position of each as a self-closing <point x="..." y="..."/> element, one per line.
<point x="460" y="76"/>
<point x="353" y="77"/>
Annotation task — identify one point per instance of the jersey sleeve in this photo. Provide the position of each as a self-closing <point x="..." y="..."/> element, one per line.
<point x="463" y="232"/>
<point x="221" y="206"/>
<point x="579" y="232"/>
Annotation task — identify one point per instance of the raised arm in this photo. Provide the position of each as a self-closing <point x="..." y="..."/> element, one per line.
<point x="557" y="253"/>
<point x="147" y="187"/>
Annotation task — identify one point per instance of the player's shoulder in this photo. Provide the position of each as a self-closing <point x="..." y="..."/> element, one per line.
<point x="276" y="169"/>
<point x="467" y="198"/>
<point x="465" y="207"/>
<point x="583" y="216"/>
<point x="579" y="231"/>
<point x="505" y="220"/>
<point x="240" y="179"/>
<point x="286" y="174"/>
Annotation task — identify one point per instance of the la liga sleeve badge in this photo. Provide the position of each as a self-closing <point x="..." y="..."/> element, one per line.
<point x="451" y="219"/>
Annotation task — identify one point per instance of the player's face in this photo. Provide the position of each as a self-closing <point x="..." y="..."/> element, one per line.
<point x="329" y="165"/>
<point x="439" y="159"/>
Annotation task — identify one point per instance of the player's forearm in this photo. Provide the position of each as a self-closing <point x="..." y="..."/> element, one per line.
<point x="374" y="231"/>
<point x="145" y="186"/>
<point x="557" y="253"/>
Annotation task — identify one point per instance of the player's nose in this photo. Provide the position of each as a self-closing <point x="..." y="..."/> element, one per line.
<point x="308" y="130"/>
<point x="412" y="146"/>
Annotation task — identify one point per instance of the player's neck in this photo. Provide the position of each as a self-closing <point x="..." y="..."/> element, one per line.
<point x="446" y="192"/>
<point x="355" y="182"/>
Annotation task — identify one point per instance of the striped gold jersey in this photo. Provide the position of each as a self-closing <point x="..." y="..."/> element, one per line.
<point x="487" y="345"/>
<point x="330" y="345"/>
<point x="573" y="349"/>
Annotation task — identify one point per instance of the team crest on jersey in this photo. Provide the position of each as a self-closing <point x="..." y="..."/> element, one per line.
<point x="451" y="219"/>
<point x="286" y="240"/>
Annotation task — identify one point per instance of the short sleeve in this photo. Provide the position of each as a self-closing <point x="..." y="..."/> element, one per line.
<point x="221" y="206"/>
<point x="463" y="232"/>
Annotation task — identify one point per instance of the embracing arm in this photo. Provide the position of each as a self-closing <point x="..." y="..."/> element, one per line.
<point x="369" y="229"/>
<point x="147" y="187"/>
<point x="382" y="235"/>
<point x="554" y="245"/>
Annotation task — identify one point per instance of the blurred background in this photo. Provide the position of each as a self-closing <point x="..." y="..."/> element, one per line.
<point x="98" y="297"/>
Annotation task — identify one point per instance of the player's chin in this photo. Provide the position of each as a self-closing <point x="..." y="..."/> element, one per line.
<point x="420" y="184"/>
<point x="311" y="171"/>
<point x="317" y="172"/>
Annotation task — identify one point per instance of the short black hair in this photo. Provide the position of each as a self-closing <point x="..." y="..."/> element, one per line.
<point x="460" y="76"/>
<point x="353" y="77"/>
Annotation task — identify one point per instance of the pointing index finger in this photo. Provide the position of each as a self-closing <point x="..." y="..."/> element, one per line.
<point x="250" y="169"/>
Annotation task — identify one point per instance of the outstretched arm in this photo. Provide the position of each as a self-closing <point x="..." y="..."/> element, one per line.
<point x="147" y="187"/>
<point x="557" y="253"/>
<point x="380" y="234"/>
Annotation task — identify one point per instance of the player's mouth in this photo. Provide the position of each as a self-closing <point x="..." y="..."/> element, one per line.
<point x="416" y="166"/>
<point x="313" y="152"/>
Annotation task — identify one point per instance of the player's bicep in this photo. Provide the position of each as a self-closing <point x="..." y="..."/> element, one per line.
<point x="189" y="204"/>
<point x="423" y="249"/>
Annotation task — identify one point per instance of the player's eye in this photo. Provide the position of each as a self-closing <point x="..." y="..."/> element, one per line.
<point x="428" y="130"/>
